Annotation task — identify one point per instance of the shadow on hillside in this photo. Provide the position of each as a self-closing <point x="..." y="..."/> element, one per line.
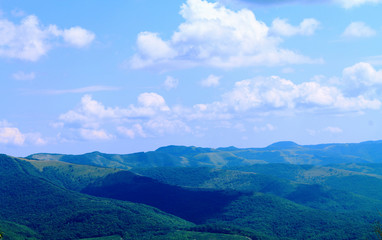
<point x="194" y="205"/>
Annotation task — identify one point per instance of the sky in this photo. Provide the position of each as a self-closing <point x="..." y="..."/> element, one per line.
<point x="128" y="76"/>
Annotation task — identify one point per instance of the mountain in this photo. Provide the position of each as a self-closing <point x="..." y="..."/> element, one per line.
<point x="182" y="156"/>
<point x="310" y="193"/>
<point x="356" y="182"/>
<point x="284" y="145"/>
<point x="283" y="191"/>
<point x="34" y="206"/>
<point x="194" y="205"/>
<point x="278" y="209"/>
<point x="224" y="201"/>
<point x="42" y="200"/>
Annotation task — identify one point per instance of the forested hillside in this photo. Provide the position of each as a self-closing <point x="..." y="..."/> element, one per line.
<point x="181" y="192"/>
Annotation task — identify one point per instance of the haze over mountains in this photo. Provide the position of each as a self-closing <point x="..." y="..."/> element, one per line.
<point x="283" y="191"/>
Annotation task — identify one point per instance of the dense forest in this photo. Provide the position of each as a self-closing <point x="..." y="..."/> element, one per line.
<point x="284" y="191"/>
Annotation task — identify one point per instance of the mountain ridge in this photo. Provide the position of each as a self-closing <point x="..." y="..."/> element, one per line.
<point x="191" y="156"/>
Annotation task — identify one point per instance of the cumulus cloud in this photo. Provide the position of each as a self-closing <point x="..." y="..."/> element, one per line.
<point x="281" y="27"/>
<point x="171" y="83"/>
<point x="211" y="81"/>
<point x="77" y="36"/>
<point x="248" y="99"/>
<point x="152" y="47"/>
<point x="132" y="132"/>
<point x="167" y="125"/>
<point x="30" y="40"/>
<point x="95" y="134"/>
<point x="213" y="35"/>
<point x="362" y="78"/>
<point x="333" y="130"/>
<point x="92" y="120"/>
<point x="153" y="100"/>
<point x="261" y="96"/>
<point x="358" y="30"/>
<point x="11" y="135"/>
<point x="90" y="113"/>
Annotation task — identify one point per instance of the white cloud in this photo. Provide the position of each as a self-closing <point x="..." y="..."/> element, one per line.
<point x="211" y="81"/>
<point x="132" y="132"/>
<point x="361" y="78"/>
<point x="36" y="139"/>
<point x="357" y="30"/>
<point x="333" y="129"/>
<point x="149" y="116"/>
<point x="95" y="134"/>
<point x="153" y="47"/>
<point x="355" y="3"/>
<point x="90" y="113"/>
<point x="30" y="40"/>
<point x="22" y="76"/>
<point x="363" y="72"/>
<point x="13" y="136"/>
<point x="166" y="125"/>
<point x="153" y="100"/>
<point x="249" y="99"/>
<point x="281" y="27"/>
<point x="127" y="132"/>
<point x="275" y="93"/>
<point x="171" y="83"/>
<point x="78" y="36"/>
<point x="215" y="36"/>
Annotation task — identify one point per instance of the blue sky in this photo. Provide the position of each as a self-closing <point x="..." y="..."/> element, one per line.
<point x="127" y="76"/>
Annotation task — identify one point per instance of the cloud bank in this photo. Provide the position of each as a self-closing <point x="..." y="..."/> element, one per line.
<point x="357" y="90"/>
<point x="215" y="36"/>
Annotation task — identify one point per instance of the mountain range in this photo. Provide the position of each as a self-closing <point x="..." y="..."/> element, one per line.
<point x="182" y="156"/>
<point x="283" y="191"/>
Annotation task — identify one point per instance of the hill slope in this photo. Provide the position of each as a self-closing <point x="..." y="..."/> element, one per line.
<point x="51" y="212"/>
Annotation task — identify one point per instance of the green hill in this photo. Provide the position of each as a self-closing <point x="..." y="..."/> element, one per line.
<point x="71" y="176"/>
<point x="44" y="210"/>
<point x="308" y="193"/>
<point x="283" y="191"/>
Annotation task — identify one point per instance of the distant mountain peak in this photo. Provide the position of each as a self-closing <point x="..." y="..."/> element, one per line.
<point x="230" y="148"/>
<point x="283" y="145"/>
<point x="93" y="153"/>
